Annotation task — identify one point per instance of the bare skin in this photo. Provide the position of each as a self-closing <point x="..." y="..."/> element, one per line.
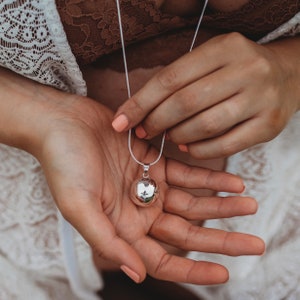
<point x="90" y="174"/>
<point x="219" y="104"/>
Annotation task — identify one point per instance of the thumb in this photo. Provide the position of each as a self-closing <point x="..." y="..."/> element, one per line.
<point x="136" y="108"/>
<point x="100" y="234"/>
<point x="128" y="116"/>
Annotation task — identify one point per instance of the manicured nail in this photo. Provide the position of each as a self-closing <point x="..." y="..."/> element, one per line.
<point x="140" y="132"/>
<point x="130" y="273"/>
<point x="120" y="123"/>
<point x="183" y="148"/>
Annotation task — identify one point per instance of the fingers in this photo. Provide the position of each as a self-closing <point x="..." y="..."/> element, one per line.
<point x="177" y="75"/>
<point x="100" y="234"/>
<point x="178" y="232"/>
<point x="237" y="139"/>
<point x="213" y="122"/>
<point x="164" y="266"/>
<point x="182" y="175"/>
<point x="203" y="208"/>
<point x="192" y="100"/>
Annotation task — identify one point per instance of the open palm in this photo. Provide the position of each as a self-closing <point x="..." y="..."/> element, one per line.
<point x="90" y="173"/>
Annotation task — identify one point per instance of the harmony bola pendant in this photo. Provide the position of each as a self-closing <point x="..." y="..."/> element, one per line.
<point x="144" y="190"/>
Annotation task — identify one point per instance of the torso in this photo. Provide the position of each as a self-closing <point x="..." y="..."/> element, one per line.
<point x="188" y="7"/>
<point x="228" y="5"/>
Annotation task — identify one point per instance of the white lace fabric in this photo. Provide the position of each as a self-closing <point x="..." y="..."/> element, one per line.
<point x="30" y="234"/>
<point x="33" y="44"/>
<point x="32" y="259"/>
<point x="290" y="28"/>
<point x="271" y="174"/>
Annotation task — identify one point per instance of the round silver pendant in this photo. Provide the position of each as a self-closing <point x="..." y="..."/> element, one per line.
<point x="144" y="191"/>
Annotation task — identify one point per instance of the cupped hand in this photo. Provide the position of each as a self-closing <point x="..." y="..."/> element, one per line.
<point x="225" y="96"/>
<point x="90" y="172"/>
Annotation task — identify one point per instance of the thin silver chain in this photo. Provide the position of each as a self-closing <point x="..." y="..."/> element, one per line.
<point x="128" y="82"/>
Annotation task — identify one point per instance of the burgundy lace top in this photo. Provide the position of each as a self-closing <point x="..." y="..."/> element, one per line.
<point x="92" y="27"/>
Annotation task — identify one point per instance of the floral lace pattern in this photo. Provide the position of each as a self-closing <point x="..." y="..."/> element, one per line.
<point x="92" y="27"/>
<point x="256" y="18"/>
<point x="276" y="275"/>
<point x="290" y="28"/>
<point x="33" y="43"/>
<point x="29" y="233"/>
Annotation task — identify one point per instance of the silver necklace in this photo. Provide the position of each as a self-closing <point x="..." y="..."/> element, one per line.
<point x="145" y="190"/>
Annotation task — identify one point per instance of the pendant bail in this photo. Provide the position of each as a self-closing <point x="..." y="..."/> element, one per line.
<point x="146" y="170"/>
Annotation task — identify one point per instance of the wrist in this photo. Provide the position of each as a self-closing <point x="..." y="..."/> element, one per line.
<point x="24" y="111"/>
<point x="287" y="55"/>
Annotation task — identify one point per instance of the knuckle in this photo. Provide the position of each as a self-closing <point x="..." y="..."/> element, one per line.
<point x="228" y="149"/>
<point x="262" y="66"/>
<point x="192" y="232"/>
<point x="165" y="260"/>
<point x="233" y="39"/>
<point x="186" y="102"/>
<point x="231" y="147"/>
<point x="168" y="78"/>
<point x="231" y="109"/>
<point x="135" y="106"/>
<point x="226" y="245"/>
<point x="152" y="124"/>
<point x="209" y="125"/>
<point x="196" y="151"/>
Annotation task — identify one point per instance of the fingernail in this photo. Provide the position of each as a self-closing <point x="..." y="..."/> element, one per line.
<point x="120" y="123"/>
<point x="183" y="148"/>
<point x="140" y="132"/>
<point x="130" y="273"/>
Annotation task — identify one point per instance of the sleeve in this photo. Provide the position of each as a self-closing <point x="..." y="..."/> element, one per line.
<point x="33" y="44"/>
<point x="290" y="28"/>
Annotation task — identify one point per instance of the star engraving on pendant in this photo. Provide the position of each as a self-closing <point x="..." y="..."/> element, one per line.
<point x="144" y="191"/>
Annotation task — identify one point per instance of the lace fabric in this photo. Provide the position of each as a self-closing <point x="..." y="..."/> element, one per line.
<point x="92" y="26"/>
<point x="272" y="176"/>
<point x="30" y="233"/>
<point x="290" y="28"/>
<point x="92" y="29"/>
<point x="256" y="18"/>
<point x="33" y="44"/>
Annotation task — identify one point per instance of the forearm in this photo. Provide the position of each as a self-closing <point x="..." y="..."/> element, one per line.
<point x="26" y="110"/>
<point x="18" y="109"/>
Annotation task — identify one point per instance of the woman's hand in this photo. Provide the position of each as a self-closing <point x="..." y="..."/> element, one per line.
<point x="90" y="172"/>
<point x="225" y="96"/>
